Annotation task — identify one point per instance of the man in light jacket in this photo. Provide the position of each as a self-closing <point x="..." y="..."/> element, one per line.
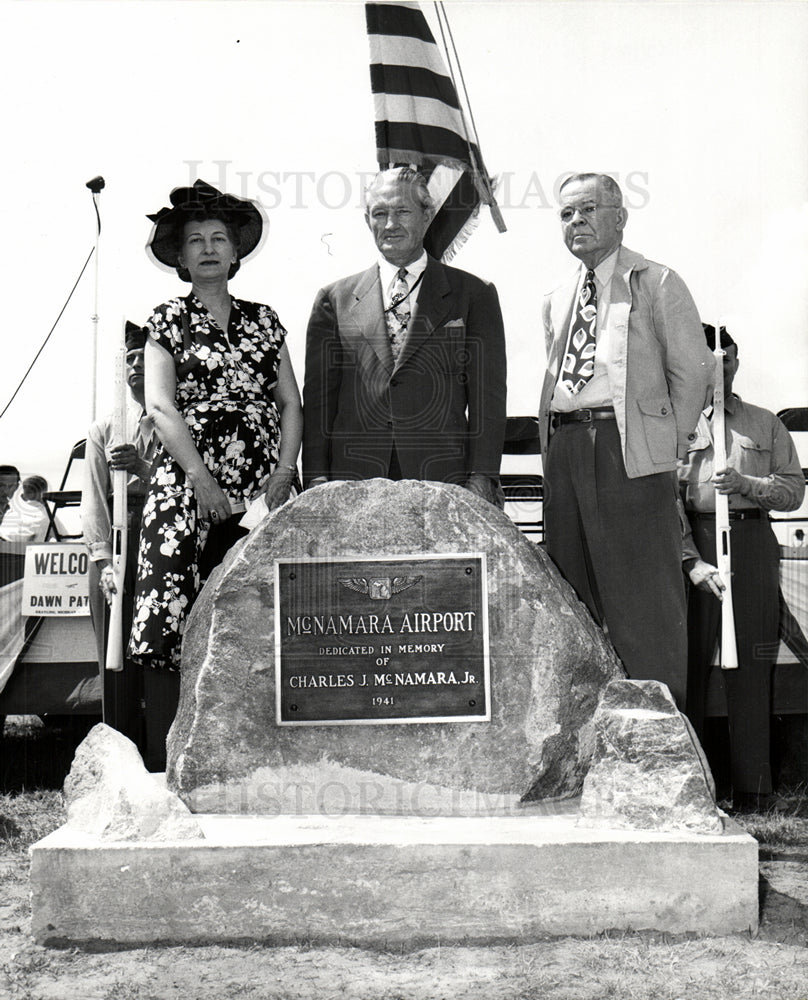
<point x="628" y="375"/>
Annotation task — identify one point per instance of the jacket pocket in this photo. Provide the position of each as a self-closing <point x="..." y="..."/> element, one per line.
<point x="659" y="425"/>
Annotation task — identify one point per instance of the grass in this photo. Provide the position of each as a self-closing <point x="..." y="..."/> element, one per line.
<point x="771" y="965"/>
<point x="26" y="817"/>
<point x="781" y="829"/>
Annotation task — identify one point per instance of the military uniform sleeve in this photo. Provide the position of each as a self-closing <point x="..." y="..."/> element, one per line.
<point x="94" y="511"/>
<point x="784" y="488"/>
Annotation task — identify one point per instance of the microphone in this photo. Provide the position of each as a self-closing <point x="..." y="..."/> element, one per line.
<point x="96" y="184"/>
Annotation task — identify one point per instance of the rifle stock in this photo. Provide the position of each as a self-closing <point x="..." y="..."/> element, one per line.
<point x="729" y="651"/>
<point x="115" y="639"/>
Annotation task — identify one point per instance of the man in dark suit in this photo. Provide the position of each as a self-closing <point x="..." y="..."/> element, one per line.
<point x="405" y="362"/>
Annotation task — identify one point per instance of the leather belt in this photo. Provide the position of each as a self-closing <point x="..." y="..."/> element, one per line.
<point x="753" y="513"/>
<point x="582" y="416"/>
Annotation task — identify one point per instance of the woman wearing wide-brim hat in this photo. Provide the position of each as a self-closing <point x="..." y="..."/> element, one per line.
<point x="226" y="408"/>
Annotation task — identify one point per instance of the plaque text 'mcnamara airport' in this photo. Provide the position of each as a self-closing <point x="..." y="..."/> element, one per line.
<point x="377" y="640"/>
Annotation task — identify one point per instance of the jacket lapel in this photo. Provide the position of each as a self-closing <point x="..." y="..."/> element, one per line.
<point x="368" y="312"/>
<point x="430" y="309"/>
<point x="561" y="305"/>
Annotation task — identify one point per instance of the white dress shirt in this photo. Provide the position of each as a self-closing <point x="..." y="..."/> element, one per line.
<point x="388" y="275"/>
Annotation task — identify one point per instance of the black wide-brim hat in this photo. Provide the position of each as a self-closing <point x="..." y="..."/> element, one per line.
<point x="203" y="201"/>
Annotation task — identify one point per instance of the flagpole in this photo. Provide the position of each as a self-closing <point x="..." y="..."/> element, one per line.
<point x="479" y="172"/>
<point x="96" y="186"/>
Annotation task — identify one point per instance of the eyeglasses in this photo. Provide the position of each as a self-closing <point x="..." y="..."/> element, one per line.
<point x="567" y="213"/>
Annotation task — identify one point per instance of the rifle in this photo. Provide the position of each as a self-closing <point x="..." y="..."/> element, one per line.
<point x="119" y="519"/>
<point x="729" y="651"/>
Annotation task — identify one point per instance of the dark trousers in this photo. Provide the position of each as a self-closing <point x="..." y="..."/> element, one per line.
<point x="755" y="597"/>
<point x="618" y="542"/>
<point x="121" y="690"/>
<point x="161" y="687"/>
<point x="161" y="692"/>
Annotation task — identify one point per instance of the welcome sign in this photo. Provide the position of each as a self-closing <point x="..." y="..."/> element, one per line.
<point x="55" y="580"/>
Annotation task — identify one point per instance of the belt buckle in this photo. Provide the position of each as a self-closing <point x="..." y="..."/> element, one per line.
<point x="585" y="415"/>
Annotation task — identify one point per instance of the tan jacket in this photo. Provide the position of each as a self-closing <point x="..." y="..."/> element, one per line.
<point x="660" y="369"/>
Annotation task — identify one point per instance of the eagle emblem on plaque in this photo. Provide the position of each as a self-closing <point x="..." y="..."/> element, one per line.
<point x="379" y="588"/>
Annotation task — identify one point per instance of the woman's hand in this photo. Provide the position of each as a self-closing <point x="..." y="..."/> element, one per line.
<point x="211" y="502"/>
<point x="277" y="487"/>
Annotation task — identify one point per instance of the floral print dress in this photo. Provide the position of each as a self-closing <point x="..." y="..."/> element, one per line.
<point x="224" y="384"/>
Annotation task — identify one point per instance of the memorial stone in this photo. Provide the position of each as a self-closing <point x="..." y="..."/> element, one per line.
<point x="358" y="608"/>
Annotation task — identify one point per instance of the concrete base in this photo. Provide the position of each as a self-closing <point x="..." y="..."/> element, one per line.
<point x="383" y="880"/>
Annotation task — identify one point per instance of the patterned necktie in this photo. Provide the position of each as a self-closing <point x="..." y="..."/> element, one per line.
<point x="398" y="314"/>
<point x="579" y="361"/>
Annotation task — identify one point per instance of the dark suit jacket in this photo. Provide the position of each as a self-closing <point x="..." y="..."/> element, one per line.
<point x="442" y="405"/>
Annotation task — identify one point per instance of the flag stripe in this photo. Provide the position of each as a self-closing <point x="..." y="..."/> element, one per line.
<point x="406" y="52"/>
<point x="412" y="80"/>
<point x="425" y="111"/>
<point x="424" y="139"/>
<point x="397" y="19"/>
<point x="419" y="118"/>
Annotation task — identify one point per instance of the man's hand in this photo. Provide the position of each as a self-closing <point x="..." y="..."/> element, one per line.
<point x="106" y="583"/>
<point x="124" y="457"/>
<point x="707" y="578"/>
<point x="487" y="488"/>
<point x="729" y="480"/>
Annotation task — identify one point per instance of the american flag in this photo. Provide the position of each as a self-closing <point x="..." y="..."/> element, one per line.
<point x="421" y="120"/>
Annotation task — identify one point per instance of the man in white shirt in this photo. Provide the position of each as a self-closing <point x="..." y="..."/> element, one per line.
<point x="405" y="362"/>
<point x="122" y="690"/>
<point x="627" y="377"/>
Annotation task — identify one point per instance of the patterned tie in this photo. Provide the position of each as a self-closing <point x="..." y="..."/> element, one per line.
<point x="398" y="315"/>
<point x="579" y="362"/>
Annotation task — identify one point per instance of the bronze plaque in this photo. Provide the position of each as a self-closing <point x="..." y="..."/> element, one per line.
<point x="370" y="640"/>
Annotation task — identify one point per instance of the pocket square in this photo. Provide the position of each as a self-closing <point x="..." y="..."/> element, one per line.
<point x="455" y="327"/>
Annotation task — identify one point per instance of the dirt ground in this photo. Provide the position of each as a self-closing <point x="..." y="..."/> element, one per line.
<point x="772" y="965"/>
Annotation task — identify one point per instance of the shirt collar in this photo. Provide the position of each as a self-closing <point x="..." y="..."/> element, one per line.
<point x="605" y="269"/>
<point x="388" y="271"/>
<point x="731" y="404"/>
